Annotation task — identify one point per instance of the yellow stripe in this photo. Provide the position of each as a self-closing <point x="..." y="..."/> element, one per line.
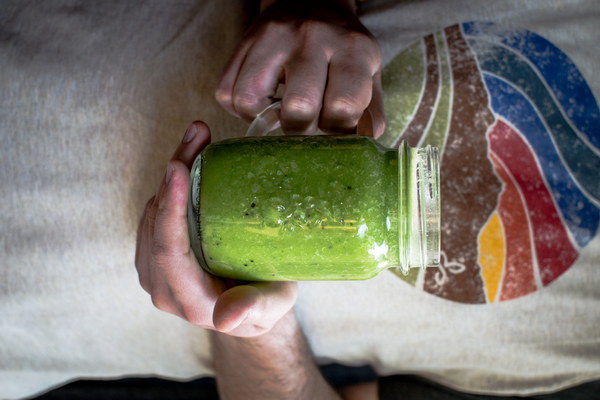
<point x="491" y="255"/>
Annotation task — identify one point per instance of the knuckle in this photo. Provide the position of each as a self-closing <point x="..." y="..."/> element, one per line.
<point x="160" y="301"/>
<point x="247" y="103"/>
<point x="346" y="109"/>
<point x="223" y="96"/>
<point x="161" y="253"/>
<point x="301" y="107"/>
<point x="299" y="115"/>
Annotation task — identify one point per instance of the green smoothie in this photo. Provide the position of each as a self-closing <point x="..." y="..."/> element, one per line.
<point x="298" y="208"/>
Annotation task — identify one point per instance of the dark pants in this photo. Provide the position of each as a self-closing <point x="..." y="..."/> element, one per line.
<point x="404" y="387"/>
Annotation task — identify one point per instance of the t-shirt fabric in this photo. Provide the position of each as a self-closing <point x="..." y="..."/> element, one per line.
<point x="95" y="98"/>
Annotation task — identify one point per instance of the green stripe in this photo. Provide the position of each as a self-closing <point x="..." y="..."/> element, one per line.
<point x="436" y="135"/>
<point x="403" y="82"/>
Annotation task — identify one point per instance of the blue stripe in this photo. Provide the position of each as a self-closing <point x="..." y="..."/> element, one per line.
<point x="560" y="73"/>
<point x="580" y="214"/>
<point x="579" y="157"/>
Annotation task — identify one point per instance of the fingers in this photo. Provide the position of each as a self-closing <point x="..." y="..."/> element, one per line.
<point x="179" y="285"/>
<point x="169" y="271"/>
<point x="142" y="247"/>
<point x="305" y="82"/>
<point x="253" y="309"/>
<point x="166" y="266"/>
<point x="372" y="122"/>
<point x="170" y="239"/>
<point x="224" y="91"/>
<point x="350" y="84"/>
<point x="330" y="69"/>
<point x="365" y="124"/>
<point x="347" y="96"/>
<point x="196" y="137"/>
<point x="249" y="84"/>
<point x="376" y="108"/>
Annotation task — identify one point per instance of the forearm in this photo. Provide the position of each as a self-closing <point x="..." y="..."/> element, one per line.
<point x="276" y="365"/>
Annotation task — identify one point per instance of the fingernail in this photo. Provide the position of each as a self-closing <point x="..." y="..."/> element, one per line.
<point x="190" y="133"/>
<point x="169" y="174"/>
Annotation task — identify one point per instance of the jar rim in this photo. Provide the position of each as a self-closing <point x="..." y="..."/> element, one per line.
<point x="419" y="199"/>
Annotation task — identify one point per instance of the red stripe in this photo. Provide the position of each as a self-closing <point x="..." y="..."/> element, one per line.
<point x="416" y="128"/>
<point x="553" y="248"/>
<point x="518" y="279"/>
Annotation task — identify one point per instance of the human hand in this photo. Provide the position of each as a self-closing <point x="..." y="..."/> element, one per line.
<point x="329" y="62"/>
<point x="170" y="273"/>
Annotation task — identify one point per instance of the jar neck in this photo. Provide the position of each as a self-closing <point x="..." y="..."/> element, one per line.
<point x="418" y="207"/>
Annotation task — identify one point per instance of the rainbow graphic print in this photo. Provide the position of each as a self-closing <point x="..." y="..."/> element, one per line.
<point x="519" y="134"/>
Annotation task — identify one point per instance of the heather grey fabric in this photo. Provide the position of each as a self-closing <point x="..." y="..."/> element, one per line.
<point x="94" y="99"/>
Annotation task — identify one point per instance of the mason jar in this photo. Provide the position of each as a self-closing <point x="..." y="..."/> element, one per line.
<point x="318" y="207"/>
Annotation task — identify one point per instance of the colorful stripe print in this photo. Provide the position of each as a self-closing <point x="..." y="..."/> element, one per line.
<point x="519" y="133"/>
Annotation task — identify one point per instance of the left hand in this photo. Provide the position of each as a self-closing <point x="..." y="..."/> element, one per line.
<point x="169" y="271"/>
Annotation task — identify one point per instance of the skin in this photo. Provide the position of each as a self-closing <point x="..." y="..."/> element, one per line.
<point x="329" y="62"/>
<point x="258" y="347"/>
<point x="276" y="365"/>
<point x="315" y="48"/>
<point x="169" y="271"/>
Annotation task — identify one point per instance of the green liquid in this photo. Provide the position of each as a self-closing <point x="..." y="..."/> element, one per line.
<point x="298" y="208"/>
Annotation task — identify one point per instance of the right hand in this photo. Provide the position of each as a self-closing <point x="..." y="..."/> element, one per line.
<point x="329" y="62"/>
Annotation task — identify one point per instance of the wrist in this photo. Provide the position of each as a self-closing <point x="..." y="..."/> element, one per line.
<point x="275" y="365"/>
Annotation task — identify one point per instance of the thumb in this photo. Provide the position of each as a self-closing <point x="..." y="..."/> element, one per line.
<point x="253" y="309"/>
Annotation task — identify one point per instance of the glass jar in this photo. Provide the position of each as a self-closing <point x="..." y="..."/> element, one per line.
<point x="316" y="207"/>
